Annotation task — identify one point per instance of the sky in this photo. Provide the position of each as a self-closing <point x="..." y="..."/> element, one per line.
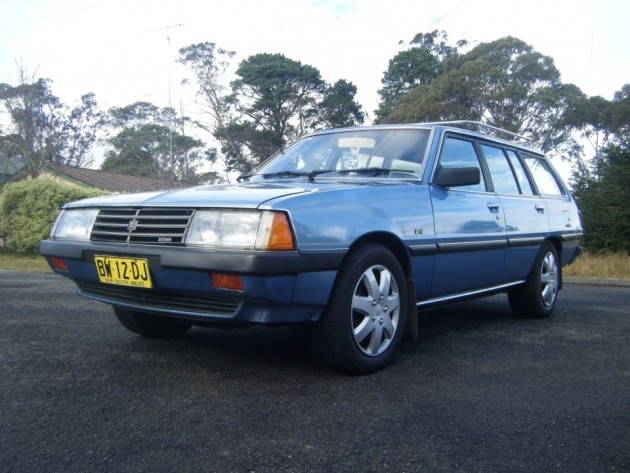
<point x="125" y="50"/>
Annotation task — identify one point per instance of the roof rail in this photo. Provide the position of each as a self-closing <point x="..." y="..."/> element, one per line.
<point x="478" y="126"/>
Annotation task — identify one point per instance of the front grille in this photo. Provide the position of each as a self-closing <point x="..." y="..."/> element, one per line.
<point x="144" y="226"/>
<point x="177" y="301"/>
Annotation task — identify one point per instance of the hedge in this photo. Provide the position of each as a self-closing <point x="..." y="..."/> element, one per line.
<point x="28" y="209"/>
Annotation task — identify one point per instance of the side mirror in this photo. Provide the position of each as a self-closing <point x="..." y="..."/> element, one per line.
<point x="452" y="177"/>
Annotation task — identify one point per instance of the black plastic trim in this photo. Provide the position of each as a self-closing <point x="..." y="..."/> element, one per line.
<point x="211" y="259"/>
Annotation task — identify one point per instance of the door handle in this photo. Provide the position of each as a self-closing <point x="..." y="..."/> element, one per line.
<point x="494" y="209"/>
<point x="540" y="209"/>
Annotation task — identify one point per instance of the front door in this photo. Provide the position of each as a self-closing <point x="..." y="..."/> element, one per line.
<point x="469" y="228"/>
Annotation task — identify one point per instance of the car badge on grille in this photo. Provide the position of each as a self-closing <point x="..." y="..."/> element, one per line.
<point x="133" y="224"/>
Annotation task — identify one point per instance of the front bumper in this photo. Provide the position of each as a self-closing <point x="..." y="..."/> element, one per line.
<point x="279" y="287"/>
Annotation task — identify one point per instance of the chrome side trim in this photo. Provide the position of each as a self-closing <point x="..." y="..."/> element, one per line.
<point x="463" y="295"/>
<point x="572" y="236"/>
<point x="459" y="246"/>
<point x="528" y="241"/>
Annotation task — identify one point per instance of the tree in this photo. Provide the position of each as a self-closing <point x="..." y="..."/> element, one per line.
<point x="600" y="183"/>
<point x="144" y="146"/>
<point x="278" y="94"/>
<point x="81" y="130"/>
<point x="209" y="64"/>
<point x="419" y="65"/>
<point x="602" y="123"/>
<point x="604" y="199"/>
<point x="338" y="107"/>
<point x="504" y="83"/>
<point x="272" y="101"/>
<point x="43" y="130"/>
<point x="406" y="70"/>
<point x="244" y="146"/>
<point x="36" y="123"/>
<point x="437" y="43"/>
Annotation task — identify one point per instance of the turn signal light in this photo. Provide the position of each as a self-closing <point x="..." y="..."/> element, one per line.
<point x="275" y="232"/>
<point x="58" y="263"/>
<point x="227" y="281"/>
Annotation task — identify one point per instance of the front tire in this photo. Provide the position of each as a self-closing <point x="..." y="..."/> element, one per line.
<point x="151" y="326"/>
<point x="537" y="298"/>
<point x="362" y="327"/>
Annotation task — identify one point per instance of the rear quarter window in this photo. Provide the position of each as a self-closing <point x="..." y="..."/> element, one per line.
<point x="543" y="176"/>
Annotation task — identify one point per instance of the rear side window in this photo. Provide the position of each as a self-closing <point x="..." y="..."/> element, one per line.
<point x="543" y="177"/>
<point x="461" y="153"/>
<point x="500" y="170"/>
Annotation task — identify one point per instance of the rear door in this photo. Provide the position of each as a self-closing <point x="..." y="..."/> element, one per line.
<point x="469" y="227"/>
<point x="562" y="214"/>
<point x="526" y="218"/>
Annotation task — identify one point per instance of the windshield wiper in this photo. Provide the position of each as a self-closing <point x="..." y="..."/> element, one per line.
<point x="372" y="171"/>
<point x="270" y="175"/>
<point x="375" y="171"/>
<point x="311" y="175"/>
<point x="244" y="177"/>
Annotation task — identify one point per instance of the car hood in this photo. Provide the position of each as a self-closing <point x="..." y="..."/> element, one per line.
<point x="247" y="195"/>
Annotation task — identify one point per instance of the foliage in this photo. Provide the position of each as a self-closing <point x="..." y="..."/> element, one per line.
<point x="272" y="101"/>
<point x="338" y="107"/>
<point x="602" y="123"/>
<point x="437" y="42"/>
<point x="278" y="94"/>
<point x="209" y="64"/>
<point x="28" y="209"/>
<point x="244" y="145"/>
<point x="600" y="183"/>
<point x="43" y="130"/>
<point x="603" y="200"/>
<point x="420" y="65"/>
<point x="36" y="123"/>
<point x="82" y="128"/>
<point x="406" y="70"/>
<point x="504" y="83"/>
<point x="143" y="146"/>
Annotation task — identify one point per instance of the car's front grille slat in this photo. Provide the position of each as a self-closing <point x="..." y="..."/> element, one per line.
<point x="142" y="225"/>
<point x="176" y="301"/>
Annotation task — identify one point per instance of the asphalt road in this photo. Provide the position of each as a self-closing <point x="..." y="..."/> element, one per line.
<point x="481" y="391"/>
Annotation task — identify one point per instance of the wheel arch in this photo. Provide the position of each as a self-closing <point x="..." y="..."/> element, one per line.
<point x="389" y="241"/>
<point x="400" y="252"/>
<point x="557" y="243"/>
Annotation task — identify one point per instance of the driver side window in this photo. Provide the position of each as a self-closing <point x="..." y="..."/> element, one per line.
<point x="461" y="153"/>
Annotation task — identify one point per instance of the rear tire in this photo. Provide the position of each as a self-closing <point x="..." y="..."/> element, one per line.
<point x="151" y="326"/>
<point x="537" y="298"/>
<point x="362" y="327"/>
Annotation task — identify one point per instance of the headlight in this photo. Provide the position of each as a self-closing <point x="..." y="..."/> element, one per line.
<point x="74" y="224"/>
<point x="240" y="229"/>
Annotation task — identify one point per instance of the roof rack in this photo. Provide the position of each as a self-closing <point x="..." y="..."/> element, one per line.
<point x="480" y="127"/>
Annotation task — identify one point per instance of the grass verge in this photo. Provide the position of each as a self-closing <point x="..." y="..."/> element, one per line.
<point x="605" y="265"/>
<point x="18" y="262"/>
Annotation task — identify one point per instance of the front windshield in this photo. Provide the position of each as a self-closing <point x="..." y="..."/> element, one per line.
<point x="389" y="153"/>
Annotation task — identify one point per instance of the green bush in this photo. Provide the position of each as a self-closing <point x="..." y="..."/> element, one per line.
<point x="28" y="209"/>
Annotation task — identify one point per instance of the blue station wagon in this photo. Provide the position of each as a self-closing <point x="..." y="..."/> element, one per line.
<point x="347" y="232"/>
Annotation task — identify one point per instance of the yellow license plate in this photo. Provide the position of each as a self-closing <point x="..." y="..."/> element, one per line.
<point x="123" y="271"/>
